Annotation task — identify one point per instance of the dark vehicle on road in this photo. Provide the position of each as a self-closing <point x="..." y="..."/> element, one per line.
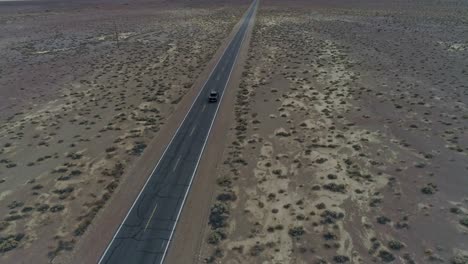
<point x="213" y="97"/>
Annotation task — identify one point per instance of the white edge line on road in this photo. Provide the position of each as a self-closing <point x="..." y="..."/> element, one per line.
<point x="160" y="158"/>
<point x="204" y="144"/>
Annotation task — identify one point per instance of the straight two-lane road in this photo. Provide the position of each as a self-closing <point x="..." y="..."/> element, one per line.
<point x="146" y="232"/>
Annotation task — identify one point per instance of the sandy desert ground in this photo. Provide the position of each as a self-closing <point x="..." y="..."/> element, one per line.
<point x="348" y="144"/>
<point x="350" y="137"/>
<point x="84" y="88"/>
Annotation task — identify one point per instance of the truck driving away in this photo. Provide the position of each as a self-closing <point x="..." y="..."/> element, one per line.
<point x="213" y="97"/>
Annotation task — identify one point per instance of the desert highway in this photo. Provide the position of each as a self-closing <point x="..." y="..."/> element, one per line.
<point x="145" y="234"/>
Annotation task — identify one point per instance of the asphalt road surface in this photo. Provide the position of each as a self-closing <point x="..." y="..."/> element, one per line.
<point x="146" y="232"/>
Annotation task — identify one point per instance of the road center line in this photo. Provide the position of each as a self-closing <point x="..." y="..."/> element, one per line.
<point x="203" y="109"/>
<point x="193" y="129"/>
<point x="163" y="244"/>
<point x="177" y="163"/>
<point x="151" y="217"/>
